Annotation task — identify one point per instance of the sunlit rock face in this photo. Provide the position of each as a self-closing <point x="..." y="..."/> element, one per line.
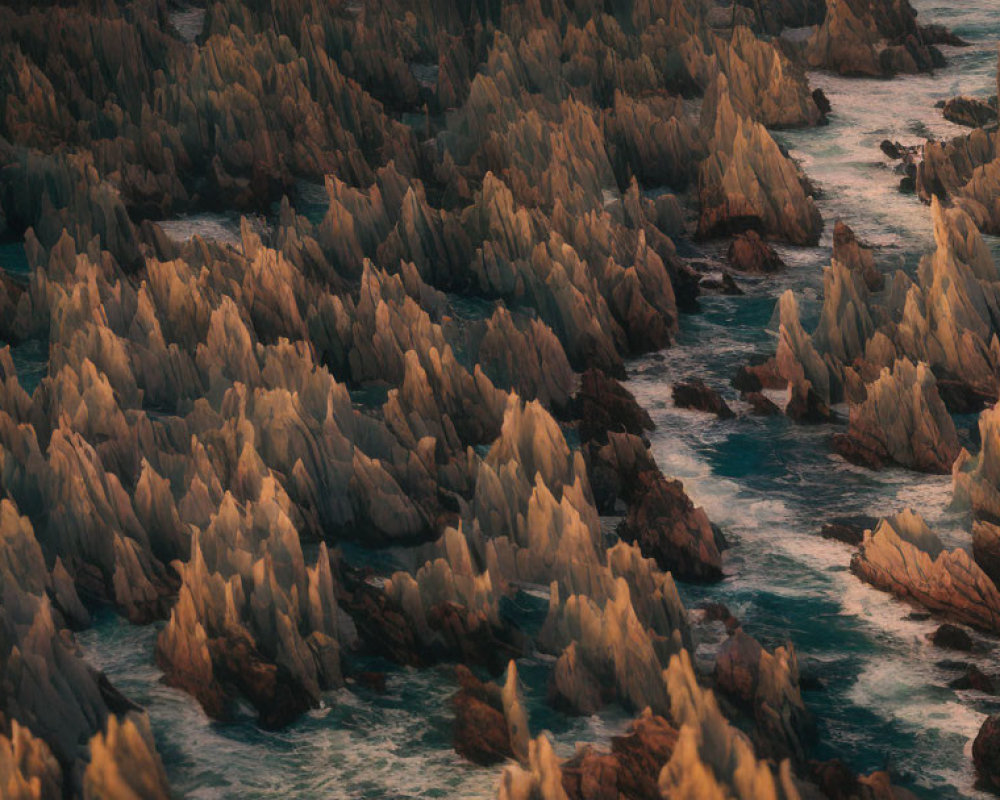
<point x="905" y="557"/>
<point x="965" y="171"/>
<point x="902" y="420"/>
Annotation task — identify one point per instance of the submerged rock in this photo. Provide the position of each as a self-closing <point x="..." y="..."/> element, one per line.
<point x="696" y="394"/>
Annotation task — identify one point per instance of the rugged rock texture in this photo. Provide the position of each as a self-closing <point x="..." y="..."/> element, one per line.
<point x="986" y="752"/>
<point x="461" y="209"/>
<point x="668" y="528"/>
<point x="768" y="685"/>
<point x="711" y="758"/>
<point x="64" y="727"/>
<point x="696" y="394"/>
<point x="746" y="181"/>
<point x="969" y="111"/>
<point x="855" y="256"/>
<point x="490" y="723"/>
<point x="976" y="479"/>
<point x="905" y="557"/>
<point x="749" y="253"/>
<point x="872" y="39"/>
<point x="630" y="770"/>
<point x="903" y="421"/>
<point x="966" y="172"/>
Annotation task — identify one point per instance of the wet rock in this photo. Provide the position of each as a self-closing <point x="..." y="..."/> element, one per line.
<point x="902" y="420"/>
<point x="974" y="678"/>
<point x="822" y="101"/>
<point x="951" y="637"/>
<point x="718" y="758"/>
<point x="602" y="404"/>
<point x="969" y="111"/>
<point x="721" y="283"/>
<point x="892" y="150"/>
<point x="590" y="775"/>
<point x="806" y="406"/>
<point x="642" y="751"/>
<point x="758" y="375"/>
<point x="850" y="530"/>
<point x="374" y="681"/>
<point x="986" y="752"/>
<point x="667" y="527"/>
<point x="849" y="251"/>
<point x="614" y="468"/>
<point x="490" y="726"/>
<point x="834" y="779"/>
<point x="768" y="685"/>
<point x="761" y="405"/>
<point x="694" y="393"/>
<point x="749" y="253"/>
<point x="719" y="612"/>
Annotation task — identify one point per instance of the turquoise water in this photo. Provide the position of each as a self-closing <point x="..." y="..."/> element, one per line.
<point x="769" y="483"/>
<point x="772" y="484"/>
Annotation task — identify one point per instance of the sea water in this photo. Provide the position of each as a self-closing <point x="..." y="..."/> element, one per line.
<point x="769" y="483"/>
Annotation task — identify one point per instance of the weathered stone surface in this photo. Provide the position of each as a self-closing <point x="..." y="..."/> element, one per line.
<point x="665" y="524"/>
<point x="902" y="420"/>
<point x="694" y="393"/>
<point x="905" y="557"/>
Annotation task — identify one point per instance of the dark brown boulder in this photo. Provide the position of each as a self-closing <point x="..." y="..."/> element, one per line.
<point x="748" y="252"/>
<point x="835" y="779"/>
<point x="822" y="101"/>
<point x="974" y="678"/>
<point x="850" y="530"/>
<point x="951" y="637"/>
<point x="630" y="771"/>
<point x="986" y="752"/>
<point x="614" y="467"/>
<point x="757" y="375"/>
<point x="856" y="451"/>
<point x="590" y="775"/>
<point x="719" y="612"/>
<point x="642" y="752"/>
<point x="694" y="393"/>
<point x="602" y="404"/>
<point x="480" y="734"/>
<point x="665" y="524"/>
<point x="969" y="111"/>
<point x="737" y="667"/>
<point x="760" y="404"/>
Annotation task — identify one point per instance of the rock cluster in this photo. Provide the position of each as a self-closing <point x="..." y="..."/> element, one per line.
<point x="466" y="229"/>
<point x="905" y="557"/>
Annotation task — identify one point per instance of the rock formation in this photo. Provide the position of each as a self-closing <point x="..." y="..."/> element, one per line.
<point x="903" y="421"/>
<point x="905" y="557"/>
